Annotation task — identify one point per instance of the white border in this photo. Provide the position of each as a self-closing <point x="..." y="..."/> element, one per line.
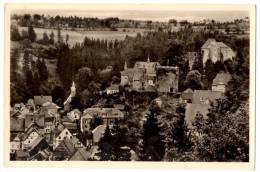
<point x="116" y="1"/>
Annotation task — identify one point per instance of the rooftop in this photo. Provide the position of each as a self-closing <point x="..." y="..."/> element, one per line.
<point x="222" y="79"/>
<point x="39" y="100"/>
<point x="104" y="112"/>
<point x="212" y="42"/>
<point x="113" y="87"/>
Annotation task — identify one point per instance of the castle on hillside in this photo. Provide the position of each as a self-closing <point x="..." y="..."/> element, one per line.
<point x="216" y="51"/>
<point x="150" y="76"/>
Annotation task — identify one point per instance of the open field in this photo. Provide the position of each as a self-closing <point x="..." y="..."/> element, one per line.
<point x="78" y="36"/>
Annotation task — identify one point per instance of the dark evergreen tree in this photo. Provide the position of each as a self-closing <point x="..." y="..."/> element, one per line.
<point x="198" y="64"/>
<point x="14" y="64"/>
<point x="121" y="150"/>
<point x="51" y="40"/>
<point x="193" y="80"/>
<point x="43" y="71"/>
<point x="45" y="38"/>
<point x="15" y="34"/>
<point x="105" y="147"/>
<point x="219" y="67"/>
<point x="31" y="34"/>
<point x="59" y="37"/>
<point x="26" y="61"/>
<point x="96" y="121"/>
<point x="210" y="73"/>
<point x="67" y="38"/>
<point x="36" y="84"/>
<point x="58" y="95"/>
<point x="177" y="139"/>
<point x="152" y="147"/>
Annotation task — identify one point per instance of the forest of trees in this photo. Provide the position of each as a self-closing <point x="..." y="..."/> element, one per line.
<point x="164" y="136"/>
<point x="73" y="22"/>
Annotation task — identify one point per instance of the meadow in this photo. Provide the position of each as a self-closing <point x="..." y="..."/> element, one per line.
<point x="78" y="36"/>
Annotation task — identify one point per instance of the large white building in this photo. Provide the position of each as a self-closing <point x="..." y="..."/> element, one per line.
<point x="216" y="51"/>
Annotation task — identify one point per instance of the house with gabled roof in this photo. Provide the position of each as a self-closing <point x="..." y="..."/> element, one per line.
<point x="16" y="143"/>
<point x="51" y="107"/>
<point x="32" y="133"/>
<point x="37" y="145"/>
<point x="109" y="115"/>
<point x="74" y="115"/>
<point x="40" y="100"/>
<point x="80" y="155"/>
<point x="39" y="119"/>
<point x="64" y="150"/>
<point x="42" y="155"/>
<point x="65" y="134"/>
<point x="167" y="79"/>
<point x="145" y="74"/>
<point x="220" y="82"/>
<point x="112" y="89"/>
<point x="17" y="124"/>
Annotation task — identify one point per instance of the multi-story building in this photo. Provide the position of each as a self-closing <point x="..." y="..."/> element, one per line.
<point x="149" y="74"/>
<point x="216" y="51"/>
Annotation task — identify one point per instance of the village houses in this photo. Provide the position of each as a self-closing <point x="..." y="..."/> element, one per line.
<point x="151" y="74"/>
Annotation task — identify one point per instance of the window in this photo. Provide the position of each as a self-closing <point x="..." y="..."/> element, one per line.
<point x="66" y="133"/>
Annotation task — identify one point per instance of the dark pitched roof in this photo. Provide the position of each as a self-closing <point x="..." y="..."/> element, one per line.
<point x="80" y="155"/>
<point x="66" y="146"/>
<point x="17" y="124"/>
<point x="191" y="111"/>
<point x="22" y="155"/>
<point x="39" y="144"/>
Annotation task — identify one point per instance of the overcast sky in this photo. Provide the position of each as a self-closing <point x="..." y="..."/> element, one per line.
<point x="154" y="15"/>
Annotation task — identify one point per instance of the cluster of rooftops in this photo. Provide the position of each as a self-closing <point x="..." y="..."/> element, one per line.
<point x="40" y="129"/>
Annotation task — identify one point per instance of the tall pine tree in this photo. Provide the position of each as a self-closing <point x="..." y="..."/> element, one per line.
<point x="105" y="147"/>
<point x="152" y="147"/>
<point x="31" y="33"/>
